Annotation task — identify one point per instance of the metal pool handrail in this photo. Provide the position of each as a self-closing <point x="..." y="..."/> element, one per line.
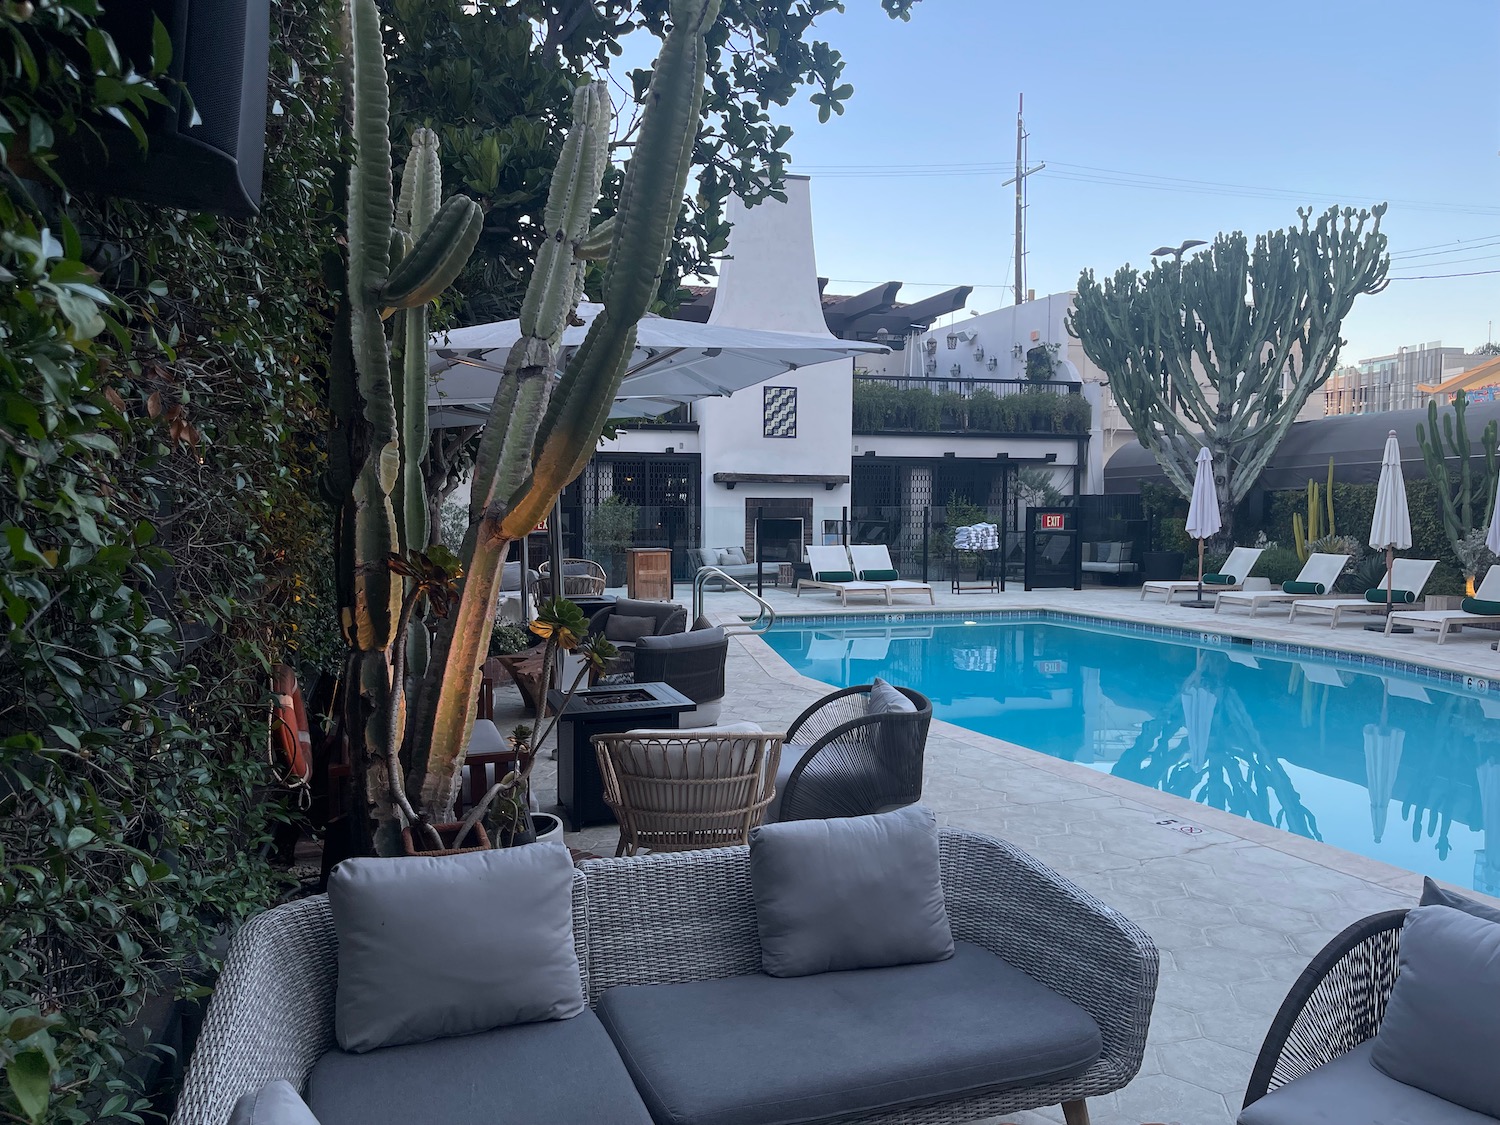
<point x="766" y="612"/>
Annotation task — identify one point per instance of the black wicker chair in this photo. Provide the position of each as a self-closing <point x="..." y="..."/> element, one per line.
<point x="1334" y="1006"/>
<point x="853" y="764"/>
<point x="693" y="663"/>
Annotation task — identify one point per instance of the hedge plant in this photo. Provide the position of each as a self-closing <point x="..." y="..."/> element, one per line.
<point x="881" y="407"/>
<point x="160" y="545"/>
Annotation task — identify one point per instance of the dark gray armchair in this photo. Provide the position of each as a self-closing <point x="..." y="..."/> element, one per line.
<point x="693" y="663"/>
<point x="839" y="760"/>
<point x="628" y="620"/>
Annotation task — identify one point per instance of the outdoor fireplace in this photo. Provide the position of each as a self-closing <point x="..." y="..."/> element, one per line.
<point x="785" y="528"/>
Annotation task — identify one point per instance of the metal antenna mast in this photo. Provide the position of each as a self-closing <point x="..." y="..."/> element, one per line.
<point x="1019" y="179"/>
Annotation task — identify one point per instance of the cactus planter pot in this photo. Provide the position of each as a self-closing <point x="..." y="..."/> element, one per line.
<point x="448" y="832"/>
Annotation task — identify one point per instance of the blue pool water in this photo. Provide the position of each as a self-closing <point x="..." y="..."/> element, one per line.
<point x="1398" y="766"/>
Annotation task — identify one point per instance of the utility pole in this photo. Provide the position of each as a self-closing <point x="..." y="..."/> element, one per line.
<point x="1019" y="179"/>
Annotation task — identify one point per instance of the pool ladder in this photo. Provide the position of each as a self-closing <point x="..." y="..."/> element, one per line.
<point x="765" y="612"/>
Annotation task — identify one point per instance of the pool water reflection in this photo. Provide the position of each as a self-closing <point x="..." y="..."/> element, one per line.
<point x="1400" y="768"/>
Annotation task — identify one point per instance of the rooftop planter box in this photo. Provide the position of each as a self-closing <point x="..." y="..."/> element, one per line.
<point x="1010" y="406"/>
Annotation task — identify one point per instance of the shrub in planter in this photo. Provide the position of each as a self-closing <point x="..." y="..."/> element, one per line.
<point x="1277" y="565"/>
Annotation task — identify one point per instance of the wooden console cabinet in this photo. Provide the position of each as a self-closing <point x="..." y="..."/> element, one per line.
<point x="648" y="573"/>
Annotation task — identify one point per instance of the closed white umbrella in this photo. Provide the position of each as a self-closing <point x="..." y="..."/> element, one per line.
<point x="1203" y="518"/>
<point x="1487" y="858"/>
<point x="1492" y="540"/>
<point x="1390" y="530"/>
<point x="1383" y="747"/>
<point x="1198" y="704"/>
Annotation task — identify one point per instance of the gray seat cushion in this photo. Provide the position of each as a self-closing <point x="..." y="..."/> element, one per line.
<point x="1350" y="1091"/>
<point x="761" y="1050"/>
<point x="275" y="1103"/>
<point x="566" y="1072"/>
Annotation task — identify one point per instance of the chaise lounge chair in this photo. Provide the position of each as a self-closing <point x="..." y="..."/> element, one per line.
<point x="1446" y="620"/>
<point x="1319" y="571"/>
<point x="872" y="563"/>
<point x="1236" y="568"/>
<point x="1407" y="578"/>
<point x="831" y="570"/>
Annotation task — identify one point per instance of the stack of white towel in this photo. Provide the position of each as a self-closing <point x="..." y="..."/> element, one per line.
<point x="978" y="537"/>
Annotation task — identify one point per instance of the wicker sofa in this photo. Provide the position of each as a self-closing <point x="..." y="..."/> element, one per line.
<point x="689" y="920"/>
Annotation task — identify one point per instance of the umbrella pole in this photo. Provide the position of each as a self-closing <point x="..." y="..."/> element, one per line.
<point x="1198" y="602"/>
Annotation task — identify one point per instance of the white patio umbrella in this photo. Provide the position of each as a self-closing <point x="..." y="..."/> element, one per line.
<point x="1198" y="704"/>
<point x="1383" y="746"/>
<point x="1203" y="518"/>
<point x="1487" y="858"/>
<point x="1492" y="538"/>
<point x="674" y="362"/>
<point x="1390" y="530"/>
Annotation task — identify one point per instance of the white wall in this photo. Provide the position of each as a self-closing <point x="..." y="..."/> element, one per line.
<point x="770" y="281"/>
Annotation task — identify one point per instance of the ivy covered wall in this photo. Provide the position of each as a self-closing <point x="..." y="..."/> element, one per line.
<point x="161" y="542"/>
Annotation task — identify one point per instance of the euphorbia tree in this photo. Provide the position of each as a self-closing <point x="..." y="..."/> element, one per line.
<point x="541" y="429"/>
<point x="1223" y="348"/>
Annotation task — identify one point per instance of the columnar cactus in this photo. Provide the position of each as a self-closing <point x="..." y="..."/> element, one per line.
<point x="1305" y="534"/>
<point x="397" y="261"/>
<point x="540" y="434"/>
<point x="1466" y="503"/>
<point x="1228" y="344"/>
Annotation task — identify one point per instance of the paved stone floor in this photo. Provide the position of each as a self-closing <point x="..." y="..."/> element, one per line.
<point x="1236" y="911"/>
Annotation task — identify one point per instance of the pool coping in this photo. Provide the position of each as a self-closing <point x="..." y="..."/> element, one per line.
<point x="1329" y="856"/>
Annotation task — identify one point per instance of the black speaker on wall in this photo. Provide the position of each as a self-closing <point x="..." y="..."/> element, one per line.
<point x="220" y="54"/>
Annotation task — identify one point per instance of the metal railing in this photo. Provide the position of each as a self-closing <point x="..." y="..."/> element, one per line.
<point x="766" y="612"/>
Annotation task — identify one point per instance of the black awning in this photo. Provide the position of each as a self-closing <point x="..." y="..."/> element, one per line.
<point x="1354" y="441"/>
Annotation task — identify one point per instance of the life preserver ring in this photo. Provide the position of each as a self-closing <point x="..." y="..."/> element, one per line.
<point x="289" y="731"/>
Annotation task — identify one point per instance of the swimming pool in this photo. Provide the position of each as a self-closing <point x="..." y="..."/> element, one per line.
<point x="1387" y="762"/>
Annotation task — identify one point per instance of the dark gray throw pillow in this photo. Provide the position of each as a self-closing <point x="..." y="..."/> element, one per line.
<point x="622" y="627"/>
<point x="886" y="700"/>
<point x="275" y="1103"/>
<point x="854" y="892"/>
<point x="451" y="945"/>
<point x="1434" y="895"/>
<point x="1441" y="1031"/>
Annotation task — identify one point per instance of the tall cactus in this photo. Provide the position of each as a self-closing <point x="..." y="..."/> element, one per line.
<point x="1305" y="535"/>
<point x="539" y="436"/>
<point x="1465" y="503"/>
<point x="401" y="263"/>
<point x="1229" y="343"/>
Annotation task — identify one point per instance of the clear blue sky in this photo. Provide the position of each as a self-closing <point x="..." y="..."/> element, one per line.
<point x="1293" y="103"/>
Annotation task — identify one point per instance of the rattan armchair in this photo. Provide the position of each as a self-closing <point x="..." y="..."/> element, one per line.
<point x="850" y="763"/>
<point x="1334" y="1006"/>
<point x="680" y="791"/>
<point x="581" y="578"/>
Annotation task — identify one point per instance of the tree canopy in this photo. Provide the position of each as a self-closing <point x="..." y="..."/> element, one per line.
<point x="1223" y="348"/>
<point x="495" y="79"/>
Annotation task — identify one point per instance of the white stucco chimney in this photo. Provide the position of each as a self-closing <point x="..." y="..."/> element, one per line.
<point x="770" y="279"/>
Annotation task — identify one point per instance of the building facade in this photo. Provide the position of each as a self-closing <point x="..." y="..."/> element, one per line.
<point x="1396" y="381"/>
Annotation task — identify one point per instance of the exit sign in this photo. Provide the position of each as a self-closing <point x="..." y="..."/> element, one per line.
<point x="1052" y="521"/>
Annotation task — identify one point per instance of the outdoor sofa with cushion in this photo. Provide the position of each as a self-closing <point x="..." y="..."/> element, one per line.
<point x="1045" y="999"/>
<point x="1109" y="558"/>
<point x="1395" y="1022"/>
<point x="733" y="561"/>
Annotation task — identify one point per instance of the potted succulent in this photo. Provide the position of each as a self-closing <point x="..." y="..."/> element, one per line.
<point x="506" y="808"/>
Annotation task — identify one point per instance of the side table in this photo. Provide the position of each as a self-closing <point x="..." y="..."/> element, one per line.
<point x="604" y="710"/>
<point x="786" y="574"/>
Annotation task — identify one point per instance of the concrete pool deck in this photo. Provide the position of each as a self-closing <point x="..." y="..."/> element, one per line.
<point x="1236" y="908"/>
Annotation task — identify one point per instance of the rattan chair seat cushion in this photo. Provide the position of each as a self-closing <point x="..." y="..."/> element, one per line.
<point x="1350" y="1091"/>
<point x="563" y="1071"/>
<point x="761" y="1050"/>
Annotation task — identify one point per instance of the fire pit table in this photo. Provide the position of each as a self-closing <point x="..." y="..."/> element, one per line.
<point x="604" y="710"/>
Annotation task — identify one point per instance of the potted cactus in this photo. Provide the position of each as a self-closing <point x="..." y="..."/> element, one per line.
<point x="418" y="624"/>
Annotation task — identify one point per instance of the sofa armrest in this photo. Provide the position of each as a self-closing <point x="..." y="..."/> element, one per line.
<point x="1002" y="899"/>
<point x="271" y="1015"/>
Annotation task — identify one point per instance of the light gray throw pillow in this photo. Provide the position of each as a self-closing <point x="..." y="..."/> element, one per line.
<point x="1441" y="1031"/>
<point x="886" y="700"/>
<point x="734" y="556"/>
<point x="432" y="946"/>
<point x="1434" y="895"/>
<point x="275" y="1103"/>
<point x="849" y="893"/>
